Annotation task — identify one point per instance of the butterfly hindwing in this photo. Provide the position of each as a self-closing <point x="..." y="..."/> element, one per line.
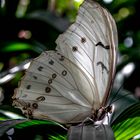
<point x="50" y="85"/>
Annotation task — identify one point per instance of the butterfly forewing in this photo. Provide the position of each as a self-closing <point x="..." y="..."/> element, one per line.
<point x="69" y="84"/>
<point x="91" y="44"/>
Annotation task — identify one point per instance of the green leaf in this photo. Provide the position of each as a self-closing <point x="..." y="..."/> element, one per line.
<point x="131" y="112"/>
<point x="127" y="124"/>
<point x="16" y="46"/>
<point x="127" y="129"/>
<point x="58" y="137"/>
<point x="54" y="131"/>
<point x="77" y="3"/>
<point x="34" y="123"/>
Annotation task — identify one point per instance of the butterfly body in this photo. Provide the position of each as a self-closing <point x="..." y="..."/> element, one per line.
<point x="73" y="83"/>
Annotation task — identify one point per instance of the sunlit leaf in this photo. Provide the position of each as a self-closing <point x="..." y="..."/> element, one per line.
<point x="17" y="46"/>
<point x="126" y="122"/>
<point x="77" y="3"/>
<point x="58" y="137"/>
<point x="127" y="129"/>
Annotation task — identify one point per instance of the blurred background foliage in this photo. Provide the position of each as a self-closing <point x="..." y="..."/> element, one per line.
<point x="28" y="27"/>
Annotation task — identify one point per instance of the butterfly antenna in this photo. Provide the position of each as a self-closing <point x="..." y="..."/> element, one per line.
<point x="116" y="94"/>
<point x="121" y="97"/>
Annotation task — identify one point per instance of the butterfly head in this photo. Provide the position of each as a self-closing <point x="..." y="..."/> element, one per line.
<point x="101" y="113"/>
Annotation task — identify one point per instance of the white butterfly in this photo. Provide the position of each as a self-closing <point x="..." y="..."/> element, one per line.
<point x="72" y="83"/>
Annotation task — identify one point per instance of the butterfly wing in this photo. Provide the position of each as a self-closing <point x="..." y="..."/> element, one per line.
<point x="67" y="85"/>
<point x="91" y="43"/>
<point x="49" y="90"/>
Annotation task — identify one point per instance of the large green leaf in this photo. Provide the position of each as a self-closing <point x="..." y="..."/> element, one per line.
<point x="130" y="113"/>
<point x="53" y="129"/>
<point x="126" y="119"/>
<point x="36" y="122"/>
<point x="127" y="129"/>
<point x="10" y="119"/>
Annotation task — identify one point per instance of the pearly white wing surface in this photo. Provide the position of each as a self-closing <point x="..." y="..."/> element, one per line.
<point x="69" y="84"/>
